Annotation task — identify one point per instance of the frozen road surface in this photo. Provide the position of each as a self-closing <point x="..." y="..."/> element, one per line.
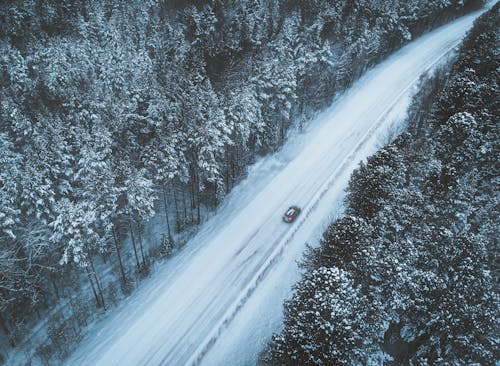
<point x="197" y="300"/>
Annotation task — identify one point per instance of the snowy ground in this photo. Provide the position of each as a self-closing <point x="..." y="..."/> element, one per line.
<point x="221" y="296"/>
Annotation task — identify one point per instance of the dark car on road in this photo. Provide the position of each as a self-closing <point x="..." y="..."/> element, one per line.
<point x="291" y="214"/>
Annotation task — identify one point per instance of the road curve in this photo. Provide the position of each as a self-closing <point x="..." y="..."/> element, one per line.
<point x="189" y="308"/>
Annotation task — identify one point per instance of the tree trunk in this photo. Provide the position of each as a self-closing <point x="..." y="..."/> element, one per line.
<point x="165" y="205"/>
<point x="185" y="205"/>
<point x="177" y="214"/>
<point x="140" y="243"/>
<point x="195" y="196"/>
<point x="192" y="205"/>
<point x="198" y="219"/>
<point x="98" y="302"/>
<point x="133" y="243"/>
<point x="124" y="278"/>
<point x="97" y="283"/>
<point x="193" y="184"/>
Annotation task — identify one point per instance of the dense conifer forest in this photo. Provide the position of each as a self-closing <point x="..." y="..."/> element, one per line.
<point x="113" y="113"/>
<point x="409" y="276"/>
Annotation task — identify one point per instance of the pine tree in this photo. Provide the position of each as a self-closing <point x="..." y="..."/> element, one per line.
<point x="327" y="322"/>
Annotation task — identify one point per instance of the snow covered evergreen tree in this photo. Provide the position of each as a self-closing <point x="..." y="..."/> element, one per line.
<point x="328" y="322"/>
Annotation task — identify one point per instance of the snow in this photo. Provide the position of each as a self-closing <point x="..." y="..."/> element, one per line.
<point x="221" y="296"/>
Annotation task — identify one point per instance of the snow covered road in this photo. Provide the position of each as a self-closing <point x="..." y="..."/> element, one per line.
<point x="185" y="307"/>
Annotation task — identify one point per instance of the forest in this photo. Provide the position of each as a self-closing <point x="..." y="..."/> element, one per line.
<point x="115" y="113"/>
<point x="409" y="275"/>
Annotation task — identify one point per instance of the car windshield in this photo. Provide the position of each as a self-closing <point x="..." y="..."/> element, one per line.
<point x="290" y="211"/>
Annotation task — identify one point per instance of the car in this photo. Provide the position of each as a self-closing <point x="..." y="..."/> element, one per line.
<point x="291" y="214"/>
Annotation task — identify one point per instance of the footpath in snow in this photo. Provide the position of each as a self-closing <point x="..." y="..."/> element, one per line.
<point x="219" y="300"/>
